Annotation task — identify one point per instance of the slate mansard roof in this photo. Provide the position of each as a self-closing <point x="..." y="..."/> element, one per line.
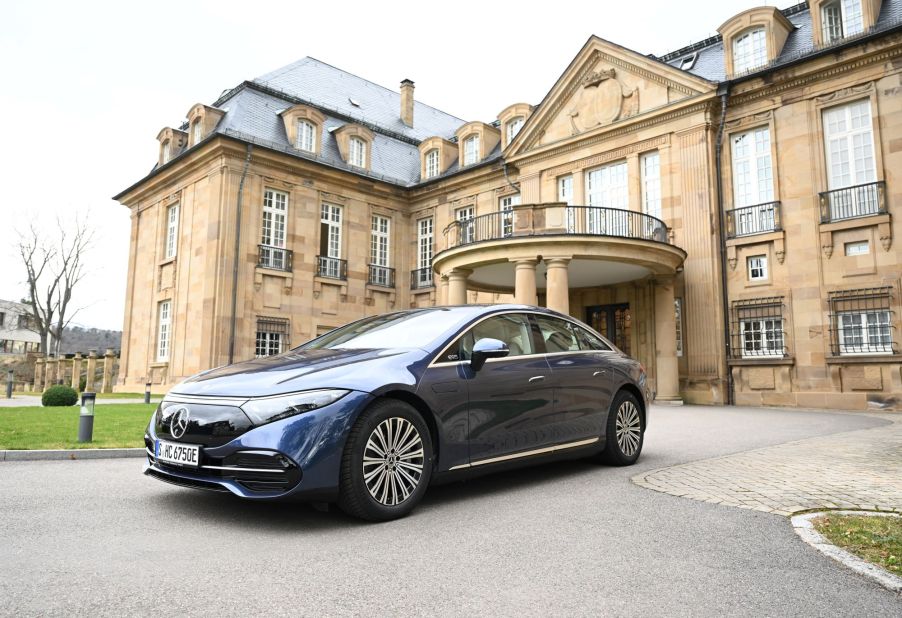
<point x="252" y="109"/>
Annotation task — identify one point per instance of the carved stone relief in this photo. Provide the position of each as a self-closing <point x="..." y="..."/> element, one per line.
<point x="602" y="99"/>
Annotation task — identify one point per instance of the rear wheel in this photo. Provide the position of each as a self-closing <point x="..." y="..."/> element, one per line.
<point x="625" y="431"/>
<point x="387" y="462"/>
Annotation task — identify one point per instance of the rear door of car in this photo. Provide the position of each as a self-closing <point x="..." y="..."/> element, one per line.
<point x="582" y="378"/>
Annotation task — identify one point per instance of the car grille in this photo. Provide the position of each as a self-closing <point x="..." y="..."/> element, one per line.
<point x="257" y="471"/>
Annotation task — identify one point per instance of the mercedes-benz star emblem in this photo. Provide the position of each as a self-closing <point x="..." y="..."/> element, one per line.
<point x="179" y="423"/>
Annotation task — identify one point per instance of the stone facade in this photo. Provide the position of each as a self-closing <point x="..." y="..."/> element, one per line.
<point x="692" y="208"/>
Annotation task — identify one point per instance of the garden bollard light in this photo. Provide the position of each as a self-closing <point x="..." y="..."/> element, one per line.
<point x="147" y="393"/>
<point x="86" y="418"/>
<point x="9" y="384"/>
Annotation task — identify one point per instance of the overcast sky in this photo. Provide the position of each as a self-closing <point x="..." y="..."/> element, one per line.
<point x="87" y="85"/>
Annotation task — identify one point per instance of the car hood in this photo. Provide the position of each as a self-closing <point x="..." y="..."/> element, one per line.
<point x="297" y="370"/>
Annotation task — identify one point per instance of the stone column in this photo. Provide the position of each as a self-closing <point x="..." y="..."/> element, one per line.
<point x="108" y="358"/>
<point x="49" y="370"/>
<point x="557" y="290"/>
<point x="38" y="375"/>
<point x="443" y="290"/>
<point x="76" y="371"/>
<point x="668" y="375"/>
<point x="525" y="282"/>
<point x="457" y="286"/>
<point x="92" y="368"/>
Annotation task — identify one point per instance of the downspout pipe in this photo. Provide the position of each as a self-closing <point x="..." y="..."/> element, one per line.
<point x="235" y="261"/>
<point x="724" y="92"/>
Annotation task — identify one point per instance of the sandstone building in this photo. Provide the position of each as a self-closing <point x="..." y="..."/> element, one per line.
<point x="726" y="213"/>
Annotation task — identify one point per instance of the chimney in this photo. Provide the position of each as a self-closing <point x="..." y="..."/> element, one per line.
<point x="407" y="102"/>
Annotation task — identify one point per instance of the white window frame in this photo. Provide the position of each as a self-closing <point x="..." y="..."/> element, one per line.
<point x="268" y="343"/>
<point x="465" y="216"/>
<point x="870" y="324"/>
<point x="565" y="194"/>
<point x="857" y="247"/>
<point x="608" y="187"/>
<point x="513" y="127"/>
<point x="757" y="263"/>
<point x="357" y="152"/>
<point x="765" y="335"/>
<point x="749" y="50"/>
<point x="425" y="238"/>
<point x="331" y="215"/>
<point x="306" y="137"/>
<point x="380" y="241"/>
<point x="172" y="231"/>
<point x="164" y="330"/>
<point x="849" y="149"/>
<point x="167" y="151"/>
<point x="432" y="166"/>
<point x="471" y="149"/>
<point x="650" y="171"/>
<point x="197" y="131"/>
<point x="841" y="19"/>
<point x="753" y="177"/>
<point x="678" y="320"/>
<point x="506" y="207"/>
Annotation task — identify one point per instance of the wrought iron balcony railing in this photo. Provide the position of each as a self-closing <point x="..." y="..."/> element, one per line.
<point x="757" y="219"/>
<point x="382" y="276"/>
<point x="853" y="202"/>
<point x="421" y="278"/>
<point x="553" y="220"/>
<point x="331" y="268"/>
<point x="277" y="258"/>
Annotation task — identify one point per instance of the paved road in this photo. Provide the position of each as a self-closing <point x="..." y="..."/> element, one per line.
<point x="19" y="400"/>
<point x="93" y="537"/>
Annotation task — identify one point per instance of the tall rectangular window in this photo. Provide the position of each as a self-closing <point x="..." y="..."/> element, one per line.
<point x="197" y="131"/>
<point x="506" y="206"/>
<point x="330" y="242"/>
<point x="513" y="127"/>
<point x="164" y="328"/>
<point x="861" y="321"/>
<point x="841" y="18"/>
<point x="753" y="181"/>
<point x="565" y="194"/>
<point x="650" y="167"/>
<point x="272" y="237"/>
<point x="357" y="152"/>
<point x="166" y="151"/>
<point x="678" y="320"/>
<point x="757" y="327"/>
<point x="432" y="167"/>
<point x="471" y="150"/>
<point x="424" y="243"/>
<point x="849" y="145"/>
<point x="306" y="134"/>
<point x="380" y="243"/>
<point x="607" y="188"/>
<point x="272" y="336"/>
<point x="172" y="231"/>
<point x="749" y="50"/>
<point x="467" y="232"/>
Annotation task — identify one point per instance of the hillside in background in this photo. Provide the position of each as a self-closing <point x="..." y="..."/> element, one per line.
<point x="78" y="339"/>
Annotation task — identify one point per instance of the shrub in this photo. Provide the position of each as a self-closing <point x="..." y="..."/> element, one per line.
<point x="59" y="395"/>
<point x="82" y="384"/>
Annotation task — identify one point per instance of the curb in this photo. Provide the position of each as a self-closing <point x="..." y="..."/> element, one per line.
<point x="74" y="454"/>
<point x="806" y="531"/>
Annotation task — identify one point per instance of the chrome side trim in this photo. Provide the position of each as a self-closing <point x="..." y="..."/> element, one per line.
<point x="213" y="400"/>
<point x="538" y="451"/>
<point x="234" y="469"/>
<point x="151" y="453"/>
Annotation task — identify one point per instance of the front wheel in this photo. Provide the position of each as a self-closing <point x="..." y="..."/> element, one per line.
<point x="625" y="431"/>
<point x="387" y="462"/>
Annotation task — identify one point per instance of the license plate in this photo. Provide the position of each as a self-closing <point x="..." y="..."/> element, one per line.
<point x="179" y="454"/>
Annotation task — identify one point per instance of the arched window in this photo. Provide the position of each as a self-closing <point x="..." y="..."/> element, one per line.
<point x="432" y="166"/>
<point x="513" y="127"/>
<point x="749" y="50"/>
<point x="306" y="133"/>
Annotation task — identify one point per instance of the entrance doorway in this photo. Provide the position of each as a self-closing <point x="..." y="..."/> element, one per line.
<point x="612" y="321"/>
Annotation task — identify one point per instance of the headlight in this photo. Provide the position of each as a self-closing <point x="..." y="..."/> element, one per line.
<point x="269" y="409"/>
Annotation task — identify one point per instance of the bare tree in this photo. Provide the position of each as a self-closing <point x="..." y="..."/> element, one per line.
<point x="53" y="268"/>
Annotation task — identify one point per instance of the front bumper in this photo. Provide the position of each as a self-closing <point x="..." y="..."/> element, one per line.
<point x="299" y="456"/>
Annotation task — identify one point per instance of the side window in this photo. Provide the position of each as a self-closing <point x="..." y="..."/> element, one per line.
<point x="590" y="341"/>
<point x="558" y="335"/>
<point x="511" y="328"/>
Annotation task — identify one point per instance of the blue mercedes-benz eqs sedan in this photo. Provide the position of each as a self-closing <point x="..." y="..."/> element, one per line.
<point x="369" y="414"/>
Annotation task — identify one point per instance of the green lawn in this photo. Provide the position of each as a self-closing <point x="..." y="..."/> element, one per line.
<point x="115" y="425"/>
<point x="875" y="539"/>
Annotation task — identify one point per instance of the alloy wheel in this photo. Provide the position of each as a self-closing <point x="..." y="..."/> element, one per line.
<point x="629" y="428"/>
<point x="393" y="461"/>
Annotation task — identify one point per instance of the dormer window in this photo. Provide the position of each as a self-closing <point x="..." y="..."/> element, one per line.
<point x="513" y="127"/>
<point x="357" y="152"/>
<point x="306" y="134"/>
<point x="688" y="61"/>
<point x="749" y="50"/>
<point x="471" y="150"/>
<point x="197" y="132"/>
<point x="166" y="152"/>
<point x="432" y="164"/>
<point x="840" y="19"/>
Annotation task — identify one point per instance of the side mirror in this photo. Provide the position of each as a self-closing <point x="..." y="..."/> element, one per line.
<point x="485" y="349"/>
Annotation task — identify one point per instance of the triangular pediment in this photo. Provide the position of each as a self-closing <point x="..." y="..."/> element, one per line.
<point x="603" y="85"/>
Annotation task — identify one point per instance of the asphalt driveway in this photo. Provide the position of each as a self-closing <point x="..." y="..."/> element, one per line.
<point x="576" y="538"/>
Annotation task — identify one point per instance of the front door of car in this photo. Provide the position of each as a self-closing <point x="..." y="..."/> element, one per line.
<point x="582" y="374"/>
<point x="511" y="409"/>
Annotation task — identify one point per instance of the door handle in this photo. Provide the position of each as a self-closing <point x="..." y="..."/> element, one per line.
<point x="600" y="373"/>
<point x="536" y="379"/>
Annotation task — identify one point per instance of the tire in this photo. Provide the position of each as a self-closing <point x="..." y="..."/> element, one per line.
<point x="625" y="416"/>
<point x="385" y="486"/>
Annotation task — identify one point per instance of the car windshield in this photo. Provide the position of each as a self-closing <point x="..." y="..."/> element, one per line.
<point x="409" y="329"/>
